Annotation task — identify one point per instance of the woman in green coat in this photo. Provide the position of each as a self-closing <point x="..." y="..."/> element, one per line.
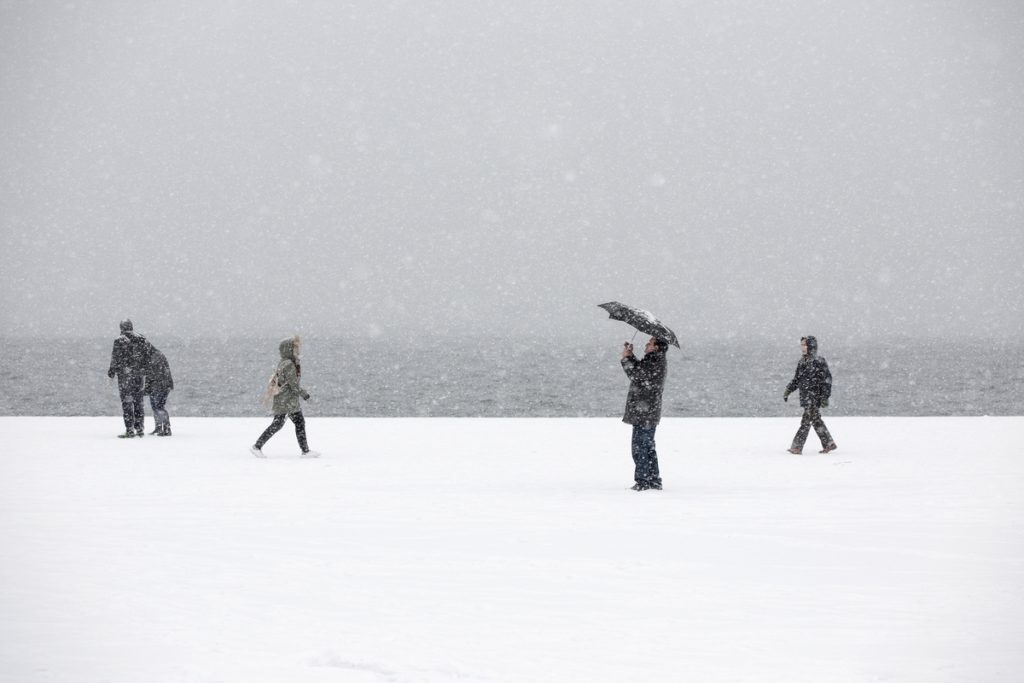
<point x="287" y="390"/>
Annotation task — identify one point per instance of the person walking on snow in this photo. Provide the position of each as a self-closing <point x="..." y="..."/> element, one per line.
<point x="128" y="361"/>
<point x="814" y="380"/>
<point x="643" y="408"/>
<point x="287" y="391"/>
<point x="158" y="386"/>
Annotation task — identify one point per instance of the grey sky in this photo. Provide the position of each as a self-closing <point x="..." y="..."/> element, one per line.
<point x="844" y="169"/>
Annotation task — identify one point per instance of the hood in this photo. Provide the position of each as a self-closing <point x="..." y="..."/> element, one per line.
<point x="126" y="326"/>
<point x="812" y="345"/>
<point x="287" y="347"/>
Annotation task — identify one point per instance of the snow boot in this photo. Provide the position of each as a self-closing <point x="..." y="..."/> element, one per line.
<point x="257" y="452"/>
<point x="794" y="451"/>
<point x="829" y="448"/>
<point x="127" y="435"/>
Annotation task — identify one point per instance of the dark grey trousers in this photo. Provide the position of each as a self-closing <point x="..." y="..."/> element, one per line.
<point x="131" y="404"/>
<point x="812" y="418"/>
<point x="300" y="430"/>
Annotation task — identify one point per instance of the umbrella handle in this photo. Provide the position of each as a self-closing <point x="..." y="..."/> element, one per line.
<point x="634" y="336"/>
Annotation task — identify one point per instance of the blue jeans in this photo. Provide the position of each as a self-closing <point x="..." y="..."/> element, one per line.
<point x="645" y="457"/>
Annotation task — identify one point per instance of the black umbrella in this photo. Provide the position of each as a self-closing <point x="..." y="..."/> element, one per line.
<point x="641" y="320"/>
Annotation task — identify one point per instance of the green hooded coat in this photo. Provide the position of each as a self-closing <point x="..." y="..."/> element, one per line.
<point x="286" y="401"/>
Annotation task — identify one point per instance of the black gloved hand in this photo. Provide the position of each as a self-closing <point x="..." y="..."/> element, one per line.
<point x="305" y="395"/>
<point x="785" y="396"/>
<point x="824" y="403"/>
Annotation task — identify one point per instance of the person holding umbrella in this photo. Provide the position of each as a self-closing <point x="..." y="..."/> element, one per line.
<point x="643" y="403"/>
<point x="643" y="408"/>
<point x="646" y="385"/>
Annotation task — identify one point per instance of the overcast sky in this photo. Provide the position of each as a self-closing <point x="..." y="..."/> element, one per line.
<point x="372" y="168"/>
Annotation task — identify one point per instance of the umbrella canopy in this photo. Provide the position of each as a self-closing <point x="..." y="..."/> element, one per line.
<point x="641" y="320"/>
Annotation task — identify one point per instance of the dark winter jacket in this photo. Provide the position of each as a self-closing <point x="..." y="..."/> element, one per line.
<point x="646" y="384"/>
<point x="286" y="401"/>
<point x="812" y="378"/>
<point x="158" y="373"/>
<point x="129" y="359"/>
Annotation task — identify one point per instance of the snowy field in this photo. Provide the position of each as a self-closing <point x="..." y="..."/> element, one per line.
<point x="469" y="550"/>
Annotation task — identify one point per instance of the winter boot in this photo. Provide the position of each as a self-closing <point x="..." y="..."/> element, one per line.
<point x="257" y="452"/>
<point x="794" y="451"/>
<point x="829" y="448"/>
<point x="127" y="435"/>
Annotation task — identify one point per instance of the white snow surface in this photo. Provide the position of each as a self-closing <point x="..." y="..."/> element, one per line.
<point x="435" y="550"/>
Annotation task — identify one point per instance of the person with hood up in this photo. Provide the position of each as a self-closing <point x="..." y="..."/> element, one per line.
<point x="128" y="362"/>
<point x="286" y="391"/>
<point x="814" y="380"/>
<point x="159" y="384"/>
<point x="643" y="408"/>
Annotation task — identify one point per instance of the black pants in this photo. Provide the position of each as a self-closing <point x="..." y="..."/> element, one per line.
<point x="812" y="417"/>
<point x="158" y="399"/>
<point x="275" y="427"/>
<point x="131" y="404"/>
<point x="645" y="457"/>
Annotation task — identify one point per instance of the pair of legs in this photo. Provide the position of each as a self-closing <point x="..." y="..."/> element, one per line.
<point x="812" y="418"/>
<point x="275" y="426"/>
<point x="131" y="406"/>
<point x="157" y="401"/>
<point x="645" y="458"/>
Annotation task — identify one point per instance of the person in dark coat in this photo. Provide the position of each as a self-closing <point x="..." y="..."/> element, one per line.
<point x="814" y="380"/>
<point x="643" y="408"/>
<point x="128" y="362"/>
<point x="159" y="384"/>
<point x="286" y="391"/>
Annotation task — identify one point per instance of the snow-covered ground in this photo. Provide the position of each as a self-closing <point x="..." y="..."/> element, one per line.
<point x="510" y="550"/>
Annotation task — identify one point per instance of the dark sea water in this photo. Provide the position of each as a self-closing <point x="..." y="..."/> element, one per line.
<point x="520" y="378"/>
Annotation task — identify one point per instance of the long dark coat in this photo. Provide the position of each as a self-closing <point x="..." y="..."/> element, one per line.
<point x="158" y="373"/>
<point x="128" y="359"/>
<point x="812" y="378"/>
<point x="646" y="384"/>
